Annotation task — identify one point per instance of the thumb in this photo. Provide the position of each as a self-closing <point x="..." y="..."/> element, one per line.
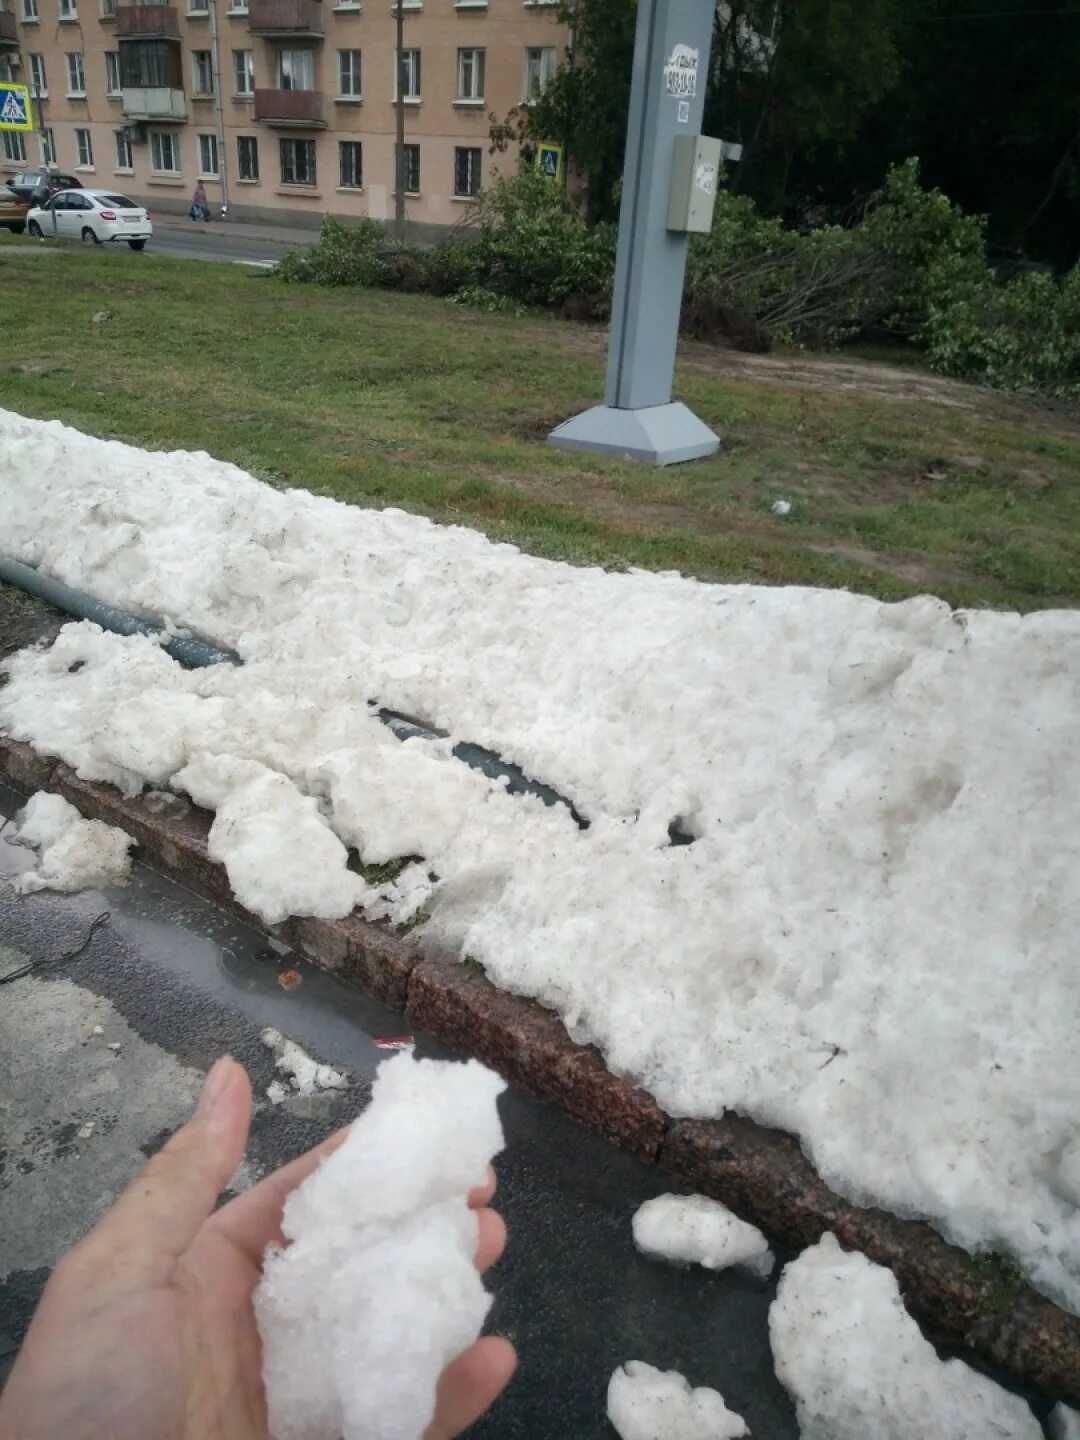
<point x="160" y="1213"/>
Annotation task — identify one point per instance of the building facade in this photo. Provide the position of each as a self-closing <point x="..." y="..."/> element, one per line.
<point x="287" y="108"/>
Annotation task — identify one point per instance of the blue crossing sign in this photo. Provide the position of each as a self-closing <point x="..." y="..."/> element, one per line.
<point x="15" y="111"/>
<point x="549" y="159"/>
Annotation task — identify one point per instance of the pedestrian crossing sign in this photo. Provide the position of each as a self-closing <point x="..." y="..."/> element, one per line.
<point x="15" y="107"/>
<point x="549" y="159"/>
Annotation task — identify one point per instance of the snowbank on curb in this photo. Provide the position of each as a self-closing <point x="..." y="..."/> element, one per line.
<point x="644" y="1403"/>
<point x="870" y="941"/>
<point x="693" y="1229"/>
<point x="376" y="1290"/>
<point x="855" y="1364"/>
<point x="73" y="853"/>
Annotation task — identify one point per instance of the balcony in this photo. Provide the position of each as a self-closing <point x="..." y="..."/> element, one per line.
<point x="147" y="22"/>
<point x="153" y="102"/>
<point x="286" y="19"/>
<point x="305" y="108"/>
<point x="9" y="39"/>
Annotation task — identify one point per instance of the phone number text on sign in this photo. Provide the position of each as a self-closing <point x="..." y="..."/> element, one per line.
<point x="680" y="72"/>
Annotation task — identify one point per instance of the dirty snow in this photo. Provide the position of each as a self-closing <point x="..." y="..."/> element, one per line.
<point x="644" y="1403"/>
<point x="73" y="853"/>
<point x="856" y="1365"/>
<point x="870" y="941"/>
<point x="376" y="1289"/>
<point x="692" y="1229"/>
<point x="304" y="1075"/>
<point x="1064" y="1423"/>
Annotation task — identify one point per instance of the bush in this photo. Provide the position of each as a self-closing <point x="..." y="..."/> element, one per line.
<point x="344" y="255"/>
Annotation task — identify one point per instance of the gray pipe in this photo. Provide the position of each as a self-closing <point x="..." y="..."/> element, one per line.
<point x="189" y="651"/>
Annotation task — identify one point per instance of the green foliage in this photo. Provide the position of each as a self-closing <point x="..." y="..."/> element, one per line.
<point x="491" y="302"/>
<point x="344" y="255"/>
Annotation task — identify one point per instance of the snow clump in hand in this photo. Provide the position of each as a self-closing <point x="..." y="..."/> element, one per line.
<point x="691" y="1229"/>
<point x="644" y="1403"/>
<point x="376" y="1289"/>
<point x="74" y="854"/>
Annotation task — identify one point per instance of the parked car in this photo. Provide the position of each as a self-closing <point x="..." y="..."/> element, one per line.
<point x="97" y="215"/>
<point x="35" y="186"/>
<point x="13" y="210"/>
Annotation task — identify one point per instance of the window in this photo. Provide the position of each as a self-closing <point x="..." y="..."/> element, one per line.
<point x="84" y="150"/>
<point x="298" y="162"/>
<point x="68" y="10"/>
<point x="412" y="169"/>
<point x="123" y="151"/>
<point x="151" y="63"/>
<point x="539" y="68"/>
<point x="238" y="7"/>
<point x="39" y="80"/>
<point x="15" y="147"/>
<point x="410" y="71"/>
<point x="349" y="74"/>
<point x="198" y="7"/>
<point x="48" y="146"/>
<point x="76" y="74"/>
<point x="108" y="9"/>
<point x="296" y="70"/>
<point x="164" y="152"/>
<point x="247" y="157"/>
<point x="29" y="12"/>
<point x="351" y="160"/>
<point x="202" y="72"/>
<point x="470" y="75"/>
<point x="243" y="72"/>
<point x="466" y="170"/>
<point x="208" y="157"/>
<point x="112" y="72"/>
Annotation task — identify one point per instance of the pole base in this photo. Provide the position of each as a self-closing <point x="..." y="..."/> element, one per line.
<point x="655" y="434"/>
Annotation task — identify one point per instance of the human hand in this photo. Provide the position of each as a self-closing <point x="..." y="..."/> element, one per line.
<point x="146" y="1329"/>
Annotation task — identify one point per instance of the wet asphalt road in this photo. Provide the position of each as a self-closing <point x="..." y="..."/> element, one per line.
<point x="173" y="983"/>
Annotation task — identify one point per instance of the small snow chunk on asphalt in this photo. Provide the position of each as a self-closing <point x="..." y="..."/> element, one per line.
<point x="73" y="853"/>
<point x="376" y="1291"/>
<point x="856" y="1365"/>
<point x="693" y="1229"/>
<point x="1064" y="1424"/>
<point x="306" y="1076"/>
<point x="644" y="1403"/>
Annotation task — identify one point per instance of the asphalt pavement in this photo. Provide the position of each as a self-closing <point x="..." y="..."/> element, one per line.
<point x="225" y="241"/>
<point x="102" y="1055"/>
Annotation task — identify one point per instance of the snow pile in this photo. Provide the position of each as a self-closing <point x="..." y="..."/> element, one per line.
<point x="870" y="941"/>
<point x="644" y="1403"/>
<point x="376" y="1291"/>
<point x="303" y="1074"/>
<point x="74" y="854"/>
<point x="856" y="1365"/>
<point x="1064" y="1424"/>
<point x="696" y="1230"/>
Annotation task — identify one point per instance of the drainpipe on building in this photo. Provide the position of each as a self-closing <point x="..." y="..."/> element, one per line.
<point x="399" y="143"/>
<point x="219" y="114"/>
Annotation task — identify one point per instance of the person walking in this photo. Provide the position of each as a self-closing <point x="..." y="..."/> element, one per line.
<point x="199" y="208"/>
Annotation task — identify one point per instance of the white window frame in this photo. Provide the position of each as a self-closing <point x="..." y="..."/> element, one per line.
<point x="48" y="146"/>
<point x="198" y="8"/>
<point x="112" y="67"/>
<point x="39" y="77"/>
<point x="125" y="160"/>
<point x="355" y="75"/>
<point x="84" y="149"/>
<point x="360" y="166"/>
<point x="158" y="138"/>
<point x="107" y="10"/>
<point x="29" y="12"/>
<point x="76" y="68"/>
<point x="479" y="162"/>
<point x="548" y="60"/>
<point x="237" y="7"/>
<point x="247" y="179"/>
<point x="471" y="65"/>
<point x="208" y="149"/>
<point x="198" y="90"/>
<point x="68" y="12"/>
<point x="248" y="73"/>
<point x="414" y="75"/>
<point x="311" y="184"/>
<point x="14" y="147"/>
<point x="295" y="63"/>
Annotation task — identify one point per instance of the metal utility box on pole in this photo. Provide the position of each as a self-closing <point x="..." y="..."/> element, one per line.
<point x="667" y="182"/>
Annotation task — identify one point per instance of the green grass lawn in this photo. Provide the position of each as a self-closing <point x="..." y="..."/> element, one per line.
<point x="900" y="482"/>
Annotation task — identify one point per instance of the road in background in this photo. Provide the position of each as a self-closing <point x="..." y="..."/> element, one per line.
<point x="173" y="982"/>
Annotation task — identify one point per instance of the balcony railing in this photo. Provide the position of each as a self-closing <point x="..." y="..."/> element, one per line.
<point x="8" y="35"/>
<point x="286" y="17"/>
<point x="147" y="22"/>
<point x="153" y="102"/>
<point x="291" y="107"/>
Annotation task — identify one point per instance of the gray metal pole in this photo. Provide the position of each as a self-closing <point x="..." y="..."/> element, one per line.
<point x="667" y="100"/>
<point x="399" y="140"/>
<point x="219" y="114"/>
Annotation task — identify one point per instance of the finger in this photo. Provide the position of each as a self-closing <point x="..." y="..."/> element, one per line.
<point x="161" y="1212"/>
<point x="483" y="1194"/>
<point x="470" y="1385"/>
<point x="490" y="1238"/>
<point x="253" y="1220"/>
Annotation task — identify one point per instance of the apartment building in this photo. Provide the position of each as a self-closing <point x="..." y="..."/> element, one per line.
<point x="285" y="106"/>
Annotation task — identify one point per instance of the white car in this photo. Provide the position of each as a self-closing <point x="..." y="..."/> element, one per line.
<point x="92" y="215"/>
